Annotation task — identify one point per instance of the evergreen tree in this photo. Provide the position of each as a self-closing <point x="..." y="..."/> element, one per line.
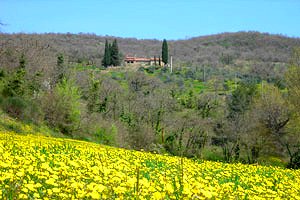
<point x="15" y="84"/>
<point x="93" y="94"/>
<point x="164" y="52"/>
<point x="159" y="61"/>
<point x="60" y="68"/>
<point x="115" y="56"/>
<point x="60" y="60"/>
<point x="60" y="71"/>
<point x="107" y="55"/>
<point x="22" y="62"/>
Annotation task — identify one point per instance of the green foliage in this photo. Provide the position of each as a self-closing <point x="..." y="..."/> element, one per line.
<point x="22" y="61"/>
<point x="165" y="52"/>
<point x="14" y="84"/>
<point x="60" y="60"/>
<point x="212" y="153"/>
<point x="295" y="160"/>
<point x="115" y="55"/>
<point x="62" y="107"/>
<point x="93" y="94"/>
<point x="151" y="69"/>
<point x="15" y="106"/>
<point x="111" y="54"/>
<point x="60" y="71"/>
<point x="293" y="80"/>
<point x="106" y="136"/>
<point x="241" y="98"/>
<point x="106" y="61"/>
<point x="35" y="84"/>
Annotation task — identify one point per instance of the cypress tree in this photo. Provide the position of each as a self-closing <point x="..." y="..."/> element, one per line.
<point x="60" y="71"/>
<point x="60" y="60"/>
<point x="107" y="55"/>
<point x="109" y="52"/>
<point x="115" y="56"/>
<point x="159" y="61"/>
<point x="164" y="52"/>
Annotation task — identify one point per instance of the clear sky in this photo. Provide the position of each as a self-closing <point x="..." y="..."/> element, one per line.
<point x="150" y="19"/>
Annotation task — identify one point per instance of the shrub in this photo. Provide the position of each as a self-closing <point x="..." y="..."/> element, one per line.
<point x="295" y="160"/>
<point x="14" y="106"/>
<point x="62" y="107"/>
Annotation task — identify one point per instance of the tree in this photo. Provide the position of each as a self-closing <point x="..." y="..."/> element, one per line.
<point x="60" y="70"/>
<point x="268" y="119"/>
<point x="93" y="94"/>
<point x="164" y="52"/>
<point x="293" y="84"/>
<point x="62" y="106"/>
<point x="107" y="55"/>
<point x="293" y="80"/>
<point x="159" y="61"/>
<point x="15" y="84"/>
<point x="60" y="60"/>
<point x="240" y="100"/>
<point x="115" y="55"/>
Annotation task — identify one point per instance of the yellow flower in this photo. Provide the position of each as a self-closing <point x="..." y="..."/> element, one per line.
<point x="56" y="190"/>
<point x="23" y="190"/>
<point x="95" y="195"/>
<point x="36" y="195"/>
<point x="30" y="186"/>
<point x="77" y="170"/>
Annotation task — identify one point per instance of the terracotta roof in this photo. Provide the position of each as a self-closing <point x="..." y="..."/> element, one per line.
<point x="136" y="59"/>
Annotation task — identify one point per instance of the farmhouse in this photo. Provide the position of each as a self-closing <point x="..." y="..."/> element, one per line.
<point x="149" y="61"/>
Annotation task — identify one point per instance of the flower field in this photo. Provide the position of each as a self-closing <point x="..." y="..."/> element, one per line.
<point x="39" y="167"/>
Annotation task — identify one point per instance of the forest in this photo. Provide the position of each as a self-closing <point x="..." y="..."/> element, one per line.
<point x="231" y="97"/>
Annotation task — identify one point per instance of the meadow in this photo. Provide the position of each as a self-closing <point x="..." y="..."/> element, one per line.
<point x="35" y="166"/>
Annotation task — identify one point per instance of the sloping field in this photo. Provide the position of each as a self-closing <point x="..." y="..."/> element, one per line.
<point x="39" y="167"/>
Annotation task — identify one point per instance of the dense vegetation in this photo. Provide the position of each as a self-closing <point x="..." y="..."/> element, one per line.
<point x="230" y="97"/>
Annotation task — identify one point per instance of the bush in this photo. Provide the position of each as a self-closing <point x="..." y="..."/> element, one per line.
<point x="295" y="160"/>
<point x="271" y="161"/>
<point x="62" y="107"/>
<point x="106" y="136"/>
<point x="14" y="106"/>
<point x="151" y="69"/>
<point x="212" y="154"/>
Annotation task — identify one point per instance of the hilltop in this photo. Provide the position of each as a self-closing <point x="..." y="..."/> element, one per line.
<point x="214" y="50"/>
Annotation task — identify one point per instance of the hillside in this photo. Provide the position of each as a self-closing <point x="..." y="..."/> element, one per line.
<point x="37" y="167"/>
<point x="237" y="49"/>
<point x="230" y="97"/>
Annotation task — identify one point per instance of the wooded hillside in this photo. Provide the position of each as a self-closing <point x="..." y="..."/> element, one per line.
<point x="214" y="51"/>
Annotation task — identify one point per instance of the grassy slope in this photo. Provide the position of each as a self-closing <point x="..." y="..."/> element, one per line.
<point x="33" y="167"/>
<point x="8" y="124"/>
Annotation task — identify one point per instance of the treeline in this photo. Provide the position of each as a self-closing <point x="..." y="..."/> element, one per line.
<point x="233" y="119"/>
<point x="249" y="51"/>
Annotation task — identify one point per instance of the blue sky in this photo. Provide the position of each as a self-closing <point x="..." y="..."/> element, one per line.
<point x="157" y="19"/>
